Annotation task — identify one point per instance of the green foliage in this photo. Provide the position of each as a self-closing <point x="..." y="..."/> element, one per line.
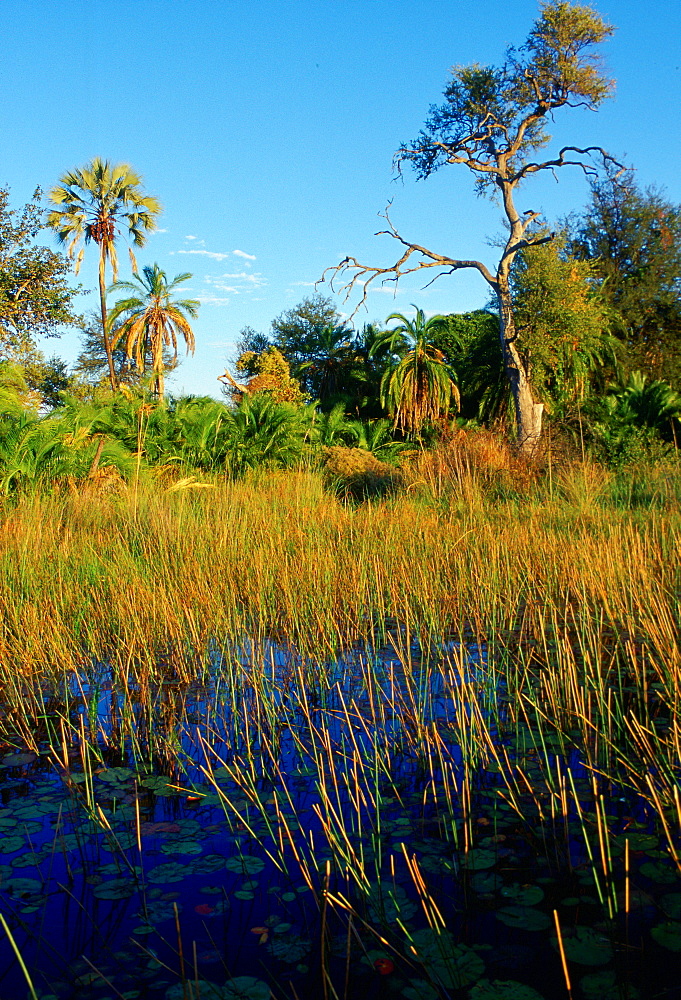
<point x="151" y="320"/>
<point x="35" y="297"/>
<point x="264" y="434"/>
<point x="634" y="419"/>
<point x="418" y="388"/>
<point x="503" y="110"/>
<point x="562" y="322"/>
<point x="357" y="474"/>
<point x="270" y="373"/>
<point x="633" y="241"/>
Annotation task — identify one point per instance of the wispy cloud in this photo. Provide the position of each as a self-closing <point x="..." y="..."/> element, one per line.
<point x="213" y="300"/>
<point x="303" y="284"/>
<point x="206" y="253"/>
<point x="242" y="253"/>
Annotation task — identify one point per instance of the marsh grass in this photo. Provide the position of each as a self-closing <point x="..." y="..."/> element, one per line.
<point x="434" y="642"/>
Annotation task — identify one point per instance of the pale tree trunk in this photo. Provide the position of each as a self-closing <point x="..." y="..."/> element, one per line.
<point x="105" y="335"/>
<point x="528" y="414"/>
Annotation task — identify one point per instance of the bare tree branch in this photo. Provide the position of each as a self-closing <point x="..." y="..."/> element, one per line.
<point x="365" y="275"/>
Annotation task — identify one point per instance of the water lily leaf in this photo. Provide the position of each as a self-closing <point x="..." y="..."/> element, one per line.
<point x="454" y="965"/>
<point x="671" y="904"/>
<point x="525" y="917"/>
<point x="478" y="858"/>
<point x="116" y="775"/>
<point x="388" y="902"/>
<point x="151" y="829"/>
<point x="8" y="845"/>
<point x="211" y="890"/>
<point x="486" y="882"/>
<point x="508" y="989"/>
<point x="30" y="860"/>
<point x="668" y="935"/>
<point x="160" y="786"/>
<point x="585" y="946"/>
<point x="23" y="886"/>
<point x="116" y="888"/>
<point x="244" y="988"/>
<point x="420" y="989"/>
<point x="596" y="983"/>
<point x="209" y="864"/>
<point x="245" y="864"/>
<point x="524" y="895"/>
<point x="243" y="894"/>
<point x="173" y="871"/>
<point x="182" y="847"/>
<point x="289" y="947"/>
<point x="659" y="872"/>
<point x="18" y="759"/>
<point x="207" y="991"/>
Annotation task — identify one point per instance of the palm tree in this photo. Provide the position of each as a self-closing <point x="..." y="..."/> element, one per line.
<point x="152" y="320"/>
<point x="419" y="387"/>
<point x="93" y="204"/>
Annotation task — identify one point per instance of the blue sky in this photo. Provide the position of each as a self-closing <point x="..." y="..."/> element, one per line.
<point x="267" y="131"/>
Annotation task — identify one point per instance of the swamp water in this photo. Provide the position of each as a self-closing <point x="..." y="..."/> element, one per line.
<point x="389" y="824"/>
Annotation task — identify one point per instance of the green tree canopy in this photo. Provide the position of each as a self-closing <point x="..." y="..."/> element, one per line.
<point x="100" y="203"/>
<point x="632" y="239"/>
<point x="36" y="299"/>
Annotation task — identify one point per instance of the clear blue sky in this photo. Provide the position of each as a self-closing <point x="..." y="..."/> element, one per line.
<point x="267" y="131"/>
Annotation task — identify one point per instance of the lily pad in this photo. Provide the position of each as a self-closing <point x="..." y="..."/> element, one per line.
<point x="115" y="888"/>
<point x="289" y="947"/>
<point x="524" y="917"/>
<point x="8" y="845"/>
<point x="479" y="858"/>
<point x="115" y="775"/>
<point x="420" y="989"/>
<point x="523" y="895"/>
<point x="486" y="882"/>
<point x="209" y="864"/>
<point x="659" y="872"/>
<point x="454" y="965"/>
<point x="245" y="988"/>
<point x="173" y="871"/>
<point x="207" y="991"/>
<point x="23" y="886"/>
<point x="182" y="847"/>
<point x="389" y="902"/>
<point x="668" y="935"/>
<point x="18" y="759"/>
<point x="507" y="989"/>
<point x="585" y="946"/>
<point x="671" y="904"/>
<point x="245" y="864"/>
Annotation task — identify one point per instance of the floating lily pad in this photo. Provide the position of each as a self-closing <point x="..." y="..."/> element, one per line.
<point x="243" y="988"/>
<point x="478" y="858"/>
<point x="116" y="888"/>
<point x="507" y="989"/>
<point x="486" y="882"/>
<point x="420" y="989"/>
<point x="668" y="935"/>
<point x="182" y="847"/>
<point x="289" y="947"/>
<point x="245" y="864"/>
<point x="523" y="895"/>
<point x="452" y="964"/>
<point x="23" y="886"/>
<point x="206" y="990"/>
<point x="389" y="902"/>
<point x="18" y="759"/>
<point x="671" y="904"/>
<point x="8" y="845"/>
<point x="525" y="917"/>
<point x="173" y="871"/>
<point x="585" y="946"/>
<point x="115" y="775"/>
<point x="659" y="872"/>
<point x="209" y="864"/>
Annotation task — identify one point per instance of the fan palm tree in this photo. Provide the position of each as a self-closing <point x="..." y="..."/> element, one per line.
<point x="419" y="387"/>
<point x="94" y="203"/>
<point x="152" y="320"/>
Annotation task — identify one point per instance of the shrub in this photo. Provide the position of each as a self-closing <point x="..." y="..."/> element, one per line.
<point x="356" y="473"/>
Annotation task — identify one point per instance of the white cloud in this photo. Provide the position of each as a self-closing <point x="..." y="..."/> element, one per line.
<point x="246" y="256"/>
<point x="191" y="237"/>
<point x="213" y="300"/>
<point x="160" y="230"/>
<point x="206" y="253"/>
<point x="303" y="284"/>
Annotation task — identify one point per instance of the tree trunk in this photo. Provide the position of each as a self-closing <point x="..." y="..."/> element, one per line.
<point x="105" y="335"/>
<point x="528" y="414"/>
